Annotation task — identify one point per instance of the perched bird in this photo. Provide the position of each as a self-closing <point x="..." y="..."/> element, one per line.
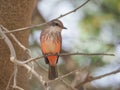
<point x="51" y="43"/>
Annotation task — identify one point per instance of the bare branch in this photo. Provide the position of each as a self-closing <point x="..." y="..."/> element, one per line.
<point x="91" y="78"/>
<point x="88" y="54"/>
<point x="8" y="85"/>
<point x="33" y="59"/>
<point x="15" y="77"/>
<point x="87" y="79"/>
<point x="8" y="42"/>
<point x="32" y="67"/>
<point x="15" y="39"/>
<point x="66" y="54"/>
<point x="38" y="25"/>
<point x="63" y="76"/>
<point x="13" y="59"/>
<point x="12" y="53"/>
<point x="39" y="77"/>
<point x="73" y="10"/>
<point x="26" y="28"/>
<point x="20" y="63"/>
<point x="68" y="85"/>
<point x="17" y="87"/>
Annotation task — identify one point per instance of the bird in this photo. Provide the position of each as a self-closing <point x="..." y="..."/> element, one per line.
<point x="51" y="44"/>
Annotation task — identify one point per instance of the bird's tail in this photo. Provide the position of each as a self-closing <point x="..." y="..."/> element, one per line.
<point x="52" y="72"/>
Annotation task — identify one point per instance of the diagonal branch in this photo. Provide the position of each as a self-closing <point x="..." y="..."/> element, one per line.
<point x="91" y="78"/>
<point x="38" y="25"/>
<point x="63" y="76"/>
<point x="8" y="42"/>
<point x="26" y="28"/>
<point x="73" y="10"/>
<point x="16" y="40"/>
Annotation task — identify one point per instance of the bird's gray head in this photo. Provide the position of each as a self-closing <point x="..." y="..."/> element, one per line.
<point x="56" y="24"/>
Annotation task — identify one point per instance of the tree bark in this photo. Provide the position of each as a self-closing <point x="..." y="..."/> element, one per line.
<point x="14" y="14"/>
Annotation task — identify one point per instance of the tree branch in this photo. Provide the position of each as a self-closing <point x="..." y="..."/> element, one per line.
<point x="12" y="56"/>
<point x="44" y="83"/>
<point x="39" y="77"/>
<point x="73" y="10"/>
<point x="26" y="28"/>
<point x="68" y="54"/>
<point x="63" y="81"/>
<point x="8" y="85"/>
<point x="20" y="63"/>
<point x="38" y="25"/>
<point x="91" y="78"/>
<point x="63" y="76"/>
<point x="18" y="42"/>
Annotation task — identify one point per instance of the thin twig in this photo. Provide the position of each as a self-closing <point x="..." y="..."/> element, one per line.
<point x="33" y="59"/>
<point x="91" y="78"/>
<point x="73" y="10"/>
<point x="104" y="75"/>
<point x="39" y="77"/>
<point x="17" y="87"/>
<point x="88" y="54"/>
<point x="38" y="25"/>
<point x="16" y="40"/>
<point x="8" y="85"/>
<point x="63" y="76"/>
<point x="15" y="75"/>
<point x="32" y="66"/>
<point x="8" y="42"/>
<point x="68" y="85"/>
<point x="26" y="28"/>
<point x="65" y="54"/>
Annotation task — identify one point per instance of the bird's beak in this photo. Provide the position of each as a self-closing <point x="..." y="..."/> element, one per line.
<point x="64" y="27"/>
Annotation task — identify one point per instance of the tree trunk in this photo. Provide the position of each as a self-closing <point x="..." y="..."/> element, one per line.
<point x="14" y="14"/>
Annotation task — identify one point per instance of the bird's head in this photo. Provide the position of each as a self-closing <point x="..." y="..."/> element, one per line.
<point x="56" y="25"/>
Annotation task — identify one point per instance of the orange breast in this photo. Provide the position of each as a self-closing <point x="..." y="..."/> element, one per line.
<point x="51" y="45"/>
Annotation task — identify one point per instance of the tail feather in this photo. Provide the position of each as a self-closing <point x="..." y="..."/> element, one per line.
<point x="52" y="72"/>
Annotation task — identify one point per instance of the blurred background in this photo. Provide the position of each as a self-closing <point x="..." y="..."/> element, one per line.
<point x="94" y="28"/>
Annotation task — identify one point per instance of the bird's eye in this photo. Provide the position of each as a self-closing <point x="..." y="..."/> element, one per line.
<point x="56" y="24"/>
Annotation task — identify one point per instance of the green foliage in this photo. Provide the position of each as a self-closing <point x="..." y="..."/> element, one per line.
<point x="97" y="17"/>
